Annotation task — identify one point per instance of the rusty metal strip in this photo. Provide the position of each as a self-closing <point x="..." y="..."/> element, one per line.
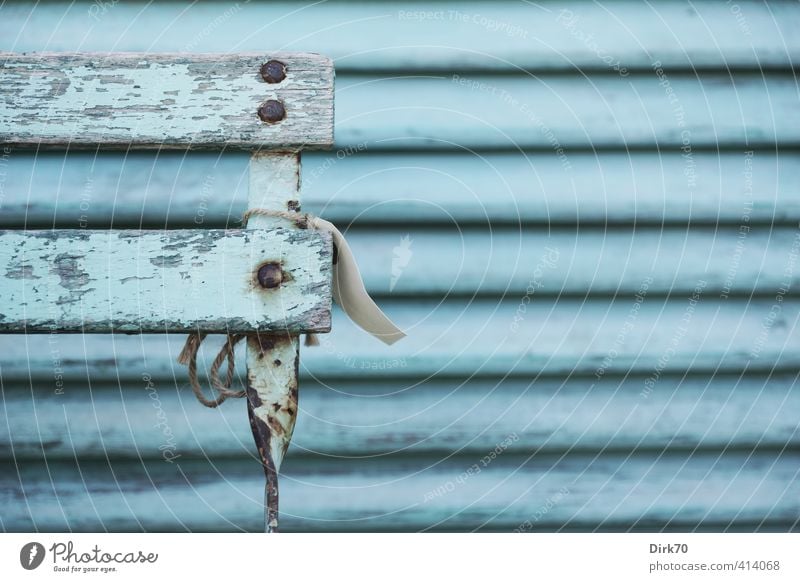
<point x="272" y="393"/>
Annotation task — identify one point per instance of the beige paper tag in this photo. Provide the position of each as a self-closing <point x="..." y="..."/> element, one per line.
<point x="350" y="294"/>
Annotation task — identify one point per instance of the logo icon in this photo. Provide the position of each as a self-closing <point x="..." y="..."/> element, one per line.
<point x="31" y="555"/>
<point x="402" y="254"/>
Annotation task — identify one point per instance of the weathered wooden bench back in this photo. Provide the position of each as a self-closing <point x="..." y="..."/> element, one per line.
<point x="274" y="105"/>
<point x="203" y="280"/>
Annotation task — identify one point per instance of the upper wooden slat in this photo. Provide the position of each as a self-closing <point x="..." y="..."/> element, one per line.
<point x="361" y="36"/>
<point x="155" y="101"/>
<point x="160" y="281"/>
<point x="551" y="337"/>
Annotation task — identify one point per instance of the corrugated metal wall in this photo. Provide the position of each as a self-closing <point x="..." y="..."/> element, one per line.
<point x="585" y="215"/>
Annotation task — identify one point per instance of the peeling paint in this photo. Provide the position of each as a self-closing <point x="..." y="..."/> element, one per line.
<point x="109" y="281"/>
<point x="97" y="105"/>
<point x="20" y="271"/>
<point x="164" y="261"/>
<point x="69" y="271"/>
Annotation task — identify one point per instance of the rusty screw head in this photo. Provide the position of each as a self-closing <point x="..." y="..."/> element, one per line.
<point x="270" y="275"/>
<point x="273" y="71"/>
<point x="272" y="111"/>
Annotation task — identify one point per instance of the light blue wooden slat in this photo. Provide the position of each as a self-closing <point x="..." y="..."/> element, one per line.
<point x="153" y="419"/>
<point x="209" y="190"/>
<point x="406" y="36"/>
<point x="557" y="113"/>
<point x="411" y="262"/>
<point x="160" y="101"/>
<point x="651" y="337"/>
<point x="152" y="281"/>
<point x="615" y="491"/>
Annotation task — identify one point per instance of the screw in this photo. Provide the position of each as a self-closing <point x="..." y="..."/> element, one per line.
<point x="272" y="111"/>
<point x="270" y="275"/>
<point x="273" y="71"/>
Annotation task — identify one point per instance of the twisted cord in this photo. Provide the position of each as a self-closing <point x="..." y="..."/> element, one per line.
<point x="188" y="355"/>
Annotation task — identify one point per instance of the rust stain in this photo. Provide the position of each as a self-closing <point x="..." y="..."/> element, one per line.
<point x="262" y="435"/>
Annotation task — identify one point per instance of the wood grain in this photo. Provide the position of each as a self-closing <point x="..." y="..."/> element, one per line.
<point x="465" y="337"/>
<point x="568" y="35"/>
<point x="560" y="113"/>
<point x="351" y="420"/>
<point x="368" y="189"/>
<point x="384" y="437"/>
<point x="547" y="492"/>
<point x="162" y="101"/>
<point x="160" y="281"/>
<point x="404" y="261"/>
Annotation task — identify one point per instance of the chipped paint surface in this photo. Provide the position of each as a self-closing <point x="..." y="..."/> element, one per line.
<point x="172" y="101"/>
<point x="157" y="281"/>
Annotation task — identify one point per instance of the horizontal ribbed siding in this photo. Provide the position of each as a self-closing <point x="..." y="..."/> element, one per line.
<point x="578" y="289"/>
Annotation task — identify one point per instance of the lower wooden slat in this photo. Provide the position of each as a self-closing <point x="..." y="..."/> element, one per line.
<point x="149" y="419"/>
<point x="656" y="492"/>
<point x="522" y="336"/>
<point x="159" y="281"/>
<point x="412" y="262"/>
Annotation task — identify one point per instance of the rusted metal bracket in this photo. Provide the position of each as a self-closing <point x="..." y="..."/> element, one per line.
<point x="272" y="391"/>
<point x="272" y="358"/>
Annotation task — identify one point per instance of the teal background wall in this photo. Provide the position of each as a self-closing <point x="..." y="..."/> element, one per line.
<point x="585" y="215"/>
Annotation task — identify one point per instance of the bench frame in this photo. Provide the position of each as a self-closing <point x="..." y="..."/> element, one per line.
<point x="273" y="105"/>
